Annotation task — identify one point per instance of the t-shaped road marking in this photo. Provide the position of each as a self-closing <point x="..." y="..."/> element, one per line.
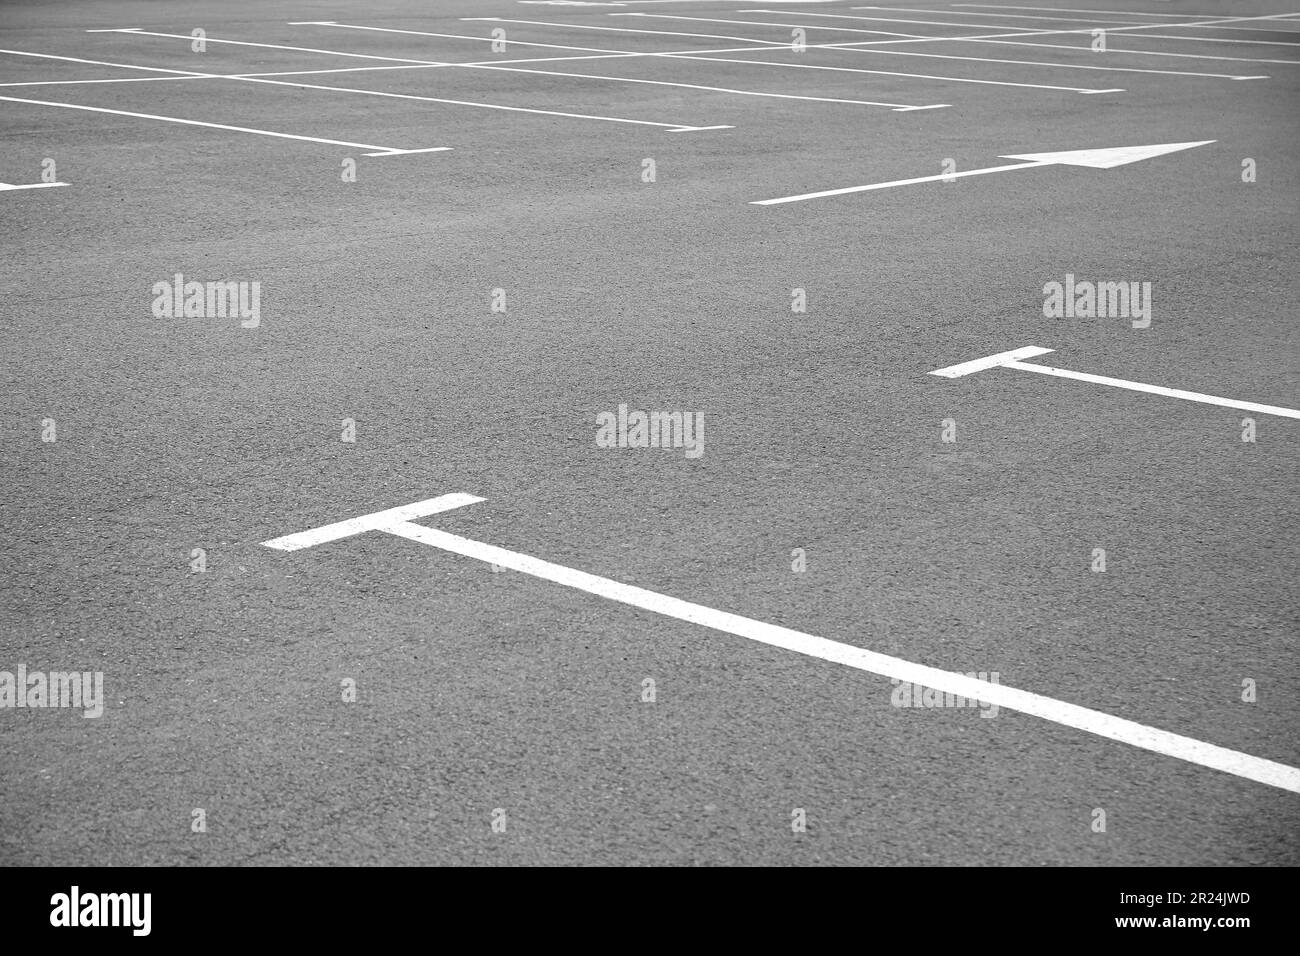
<point x="1012" y="360"/>
<point x="397" y="521"/>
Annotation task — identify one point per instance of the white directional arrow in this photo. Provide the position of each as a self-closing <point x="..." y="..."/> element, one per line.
<point x="400" y="522"/>
<point x="4" y="186"/>
<point x="1093" y="158"/>
<point x="1013" y="358"/>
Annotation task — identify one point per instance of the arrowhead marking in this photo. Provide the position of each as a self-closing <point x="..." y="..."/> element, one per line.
<point x="1107" y="158"/>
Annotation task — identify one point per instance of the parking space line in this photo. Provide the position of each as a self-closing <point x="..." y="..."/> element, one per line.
<point x="382" y="150"/>
<point x="1115" y="51"/>
<point x="191" y="74"/>
<point x="1090" y="20"/>
<point x="917" y="76"/>
<point x="671" y="33"/>
<point x="962" y="13"/>
<point x="116" y="79"/>
<point x="1058" y="66"/>
<point x="813" y="26"/>
<point x="1060" y="712"/>
<point x="1105" y="158"/>
<point x="670" y="127"/>
<point x="136" y="31"/>
<point x="455" y="36"/>
<point x="1126" y="13"/>
<point x="6" y="187"/>
<point x="897" y="107"/>
<point x="1013" y="359"/>
<point x="800" y="15"/>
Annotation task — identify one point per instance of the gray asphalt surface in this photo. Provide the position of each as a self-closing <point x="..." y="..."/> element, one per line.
<point x="481" y="690"/>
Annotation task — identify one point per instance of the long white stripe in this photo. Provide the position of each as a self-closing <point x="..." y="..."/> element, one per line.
<point x="915" y="76"/>
<point x="1029" y="31"/>
<point x="670" y="127"/>
<point x="897" y="107"/>
<point x="1038" y="33"/>
<point x="189" y="122"/>
<point x="1114" y="51"/>
<point x="672" y="33"/>
<point x="1118" y="13"/>
<point x="135" y="31"/>
<point x="962" y="13"/>
<point x="1055" y="66"/>
<point x="1125" y="13"/>
<point x="1021" y="16"/>
<point x="122" y="66"/>
<point x="897" y="182"/>
<point x="1155" y="389"/>
<point x="1119" y="729"/>
<point x="7" y="186"/>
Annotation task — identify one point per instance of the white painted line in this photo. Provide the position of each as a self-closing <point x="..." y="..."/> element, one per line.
<point x="1013" y="358"/>
<point x="1126" y="13"/>
<point x="962" y="13"/>
<point x="189" y="122"/>
<point x="1035" y="33"/>
<point x="671" y="33"/>
<point x="1104" y="12"/>
<point x="1157" y="390"/>
<point x="371" y="522"/>
<point x="119" y="79"/>
<point x="273" y="46"/>
<point x="1021" y="16"/>
<point x="669" y="127"/>
<point x="914" y="76"/>
<point x="454" y="36"/>
<point x="407" y="152"/>
<point x="1112" y="51"/>
<point x="1129" y="732"/>
<point x="1055" y="66"/>
<point x="897" y="182"/>
<point x="1107" y="158"/>
<point x="812" y="26"/>
<point x="120" y="66"/>
<point x="1174" y="36"/>
<point x="989" y="361"/>
<point x="896" y="107"/>
<point x="7" y="186"/>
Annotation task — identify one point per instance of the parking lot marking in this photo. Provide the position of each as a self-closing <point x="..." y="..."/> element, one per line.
<point x="1013" y="358"/>
<point x="1056" y="66"/>
<point x="7" y="186"/>
<point x="1060" y="712"/>
<point x="382" y="150"/>
<point x="1107" y="158"/>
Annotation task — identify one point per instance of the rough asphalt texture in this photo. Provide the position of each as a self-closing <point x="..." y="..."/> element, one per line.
<point x="481" y="690"/>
